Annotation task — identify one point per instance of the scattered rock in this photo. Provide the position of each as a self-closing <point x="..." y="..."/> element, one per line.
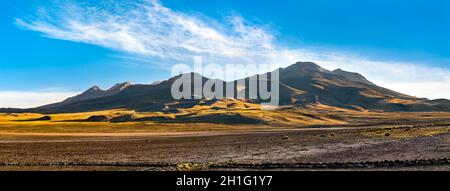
<point x="123" y="118"/>
<point x="97" y="118"/>
<point x="224" y="118"/>
<point x="387" y="134"/>
<point x="285" y="137"/>
<point x="217" y="108"/>
<point x="45" y="118"/>
<point x="157" y="118"/>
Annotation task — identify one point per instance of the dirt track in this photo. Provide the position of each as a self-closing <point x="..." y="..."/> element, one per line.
<point x="317" y="146"/>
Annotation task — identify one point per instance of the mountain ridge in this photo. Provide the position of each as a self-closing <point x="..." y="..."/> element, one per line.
<point x="302" y="83"/>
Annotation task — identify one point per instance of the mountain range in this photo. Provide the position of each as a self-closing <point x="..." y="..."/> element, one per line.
<point x="303" y="83"/>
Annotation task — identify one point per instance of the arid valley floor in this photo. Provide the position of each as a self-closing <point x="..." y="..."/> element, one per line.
<point x="422" y="144"/>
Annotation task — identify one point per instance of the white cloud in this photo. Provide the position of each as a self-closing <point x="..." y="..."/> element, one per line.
<point x="17" y="99"/>
<point x="148" y="29"/>
<point x="151" y="29"/>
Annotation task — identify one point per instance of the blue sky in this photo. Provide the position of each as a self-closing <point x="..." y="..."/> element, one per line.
<point x="53" y="49"/>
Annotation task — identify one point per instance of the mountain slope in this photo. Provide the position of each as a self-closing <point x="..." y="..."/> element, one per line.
<point x="92" y="93"/>
<point x="306" y="83"/>
<point x="139" y="97"/>
<point x="338" y="88"/>
<point x="352" y="76"/>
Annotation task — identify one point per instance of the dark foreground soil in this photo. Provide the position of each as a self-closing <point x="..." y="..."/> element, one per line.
<point x="301" y="149"/>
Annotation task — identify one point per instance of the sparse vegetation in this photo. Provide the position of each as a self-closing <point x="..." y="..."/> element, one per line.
<point x="190" y="166"/>
<point x="402" y="133"/>
<point x="203" y="118"/>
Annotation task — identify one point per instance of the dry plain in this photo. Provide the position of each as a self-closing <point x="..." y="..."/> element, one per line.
<point x="400" y="141"/>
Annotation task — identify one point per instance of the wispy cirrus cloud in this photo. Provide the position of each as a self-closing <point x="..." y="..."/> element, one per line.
<point x="149" y="29"/>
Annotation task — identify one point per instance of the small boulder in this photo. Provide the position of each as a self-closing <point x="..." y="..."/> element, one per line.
<point x="123" y="118"/>
<point x="97" y="118"/>
<point x="45" y="118"/>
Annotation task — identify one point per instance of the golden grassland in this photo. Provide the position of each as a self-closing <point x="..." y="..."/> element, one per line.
<point x="287" y="117"/>
<point x="67" y="123"/>
<point x="402" y="133"/>
<point x="107" y="127"/>
<point x="11" y="124"/>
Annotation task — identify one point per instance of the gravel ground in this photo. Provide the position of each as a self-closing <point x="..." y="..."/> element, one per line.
<point x="325" y="145"/>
